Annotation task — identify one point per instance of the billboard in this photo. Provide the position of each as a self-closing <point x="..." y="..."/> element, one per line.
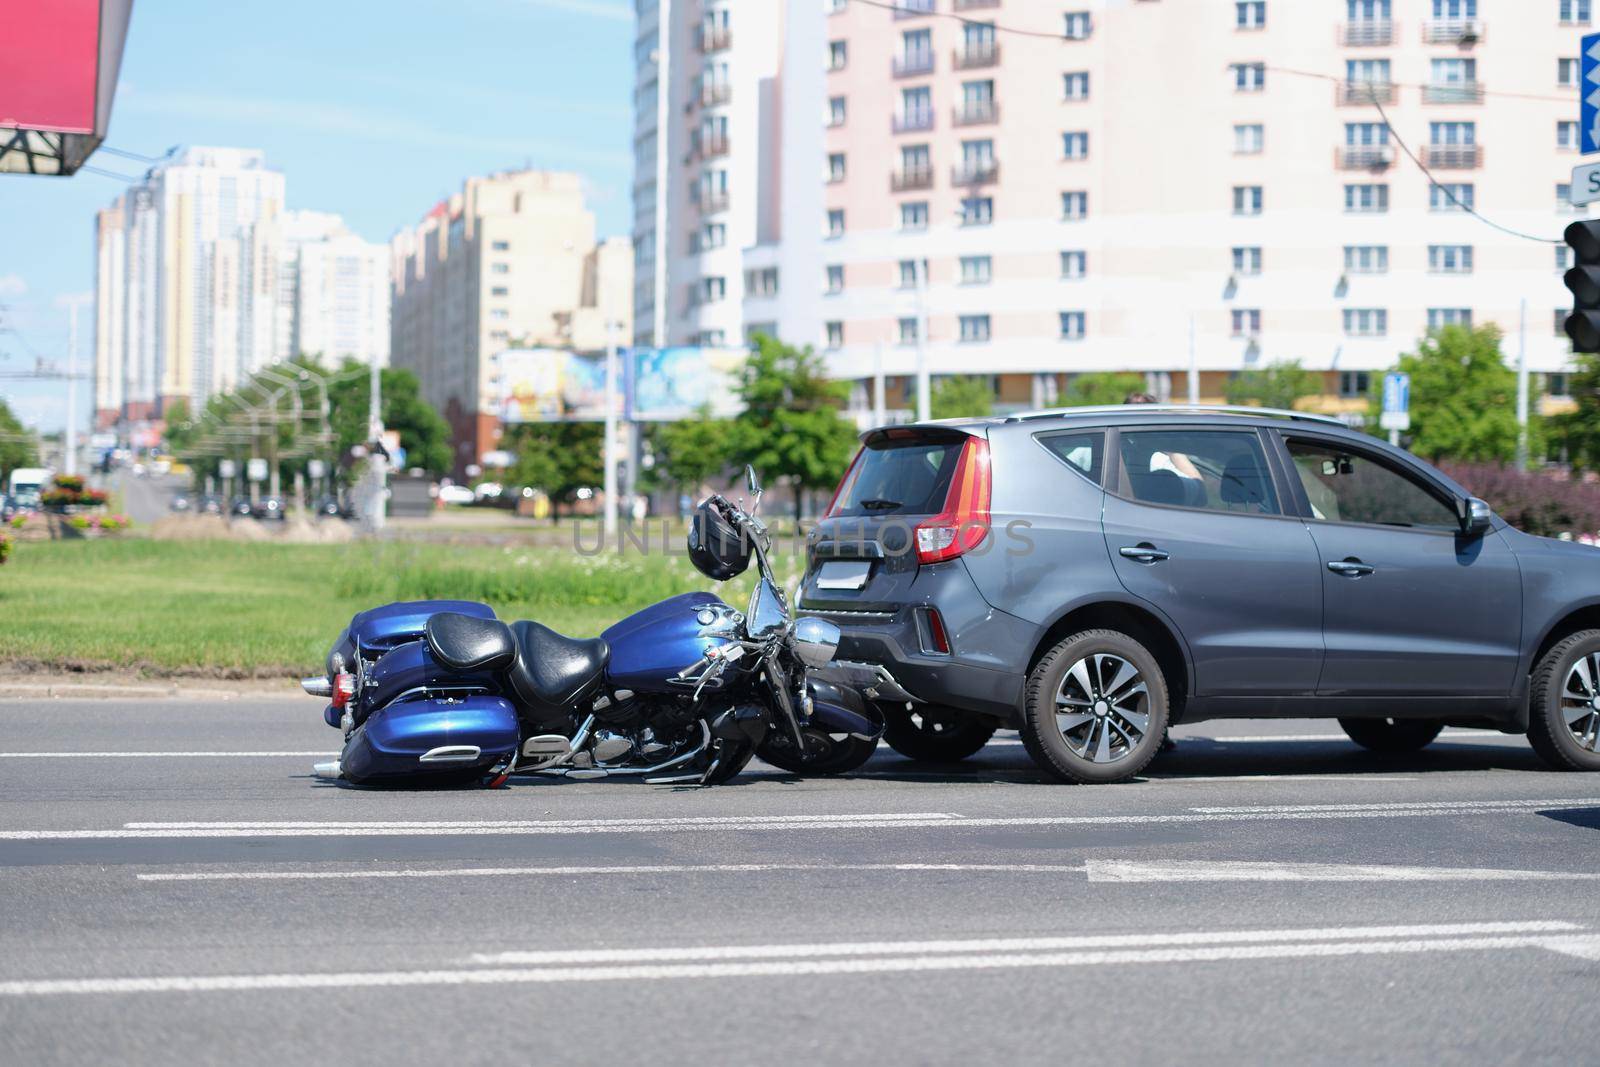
<point x="551" y="385"/>
<point x="666" y="384"/>
<point x="58" y="75"/>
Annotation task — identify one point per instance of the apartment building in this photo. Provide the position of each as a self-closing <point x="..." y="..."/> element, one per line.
<point x="511" y="260"/>
<point x="332" y="290"/>
<point x="184" y="282"/>
<point x="1031" y="190"/>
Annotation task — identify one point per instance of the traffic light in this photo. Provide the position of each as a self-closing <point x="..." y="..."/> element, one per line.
<point x="1583" y="325"/>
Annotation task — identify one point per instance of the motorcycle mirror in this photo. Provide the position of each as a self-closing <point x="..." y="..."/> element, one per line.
<point x="752" y="482"/>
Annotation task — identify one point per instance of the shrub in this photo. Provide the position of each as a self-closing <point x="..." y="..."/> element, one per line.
<point x="80" y="522"/>
<point x="19" y="520"/>
<point x="1538" y="502"/>
<point x="6" y="543"/>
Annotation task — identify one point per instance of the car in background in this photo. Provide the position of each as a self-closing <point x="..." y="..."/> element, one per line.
<point x="8" y="507"/>
<point x="271" y="509"/>
<point x="1090" y="576"/>
<point x="456" y="494"/>
<point x="240" y="508"/>
<point x="180" y="503"/>
<point x="210" y="504"/>
<point x="330" y="507"/>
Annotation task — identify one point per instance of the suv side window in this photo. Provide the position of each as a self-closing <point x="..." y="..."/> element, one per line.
<point x="1218" y="470"/>
<point x="1344" y="486"/>
<point x="1083" y="452"/>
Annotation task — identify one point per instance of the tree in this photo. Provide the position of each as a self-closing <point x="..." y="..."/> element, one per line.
<point x="1580" y="430"/>
<point x="424" y="433"/>
<point x="693" y="451"/>
<point x="558" y="458"/>
<point x="1102" y="388"/>
<point x="1463" y="398"/>
<point x="1279" y="385"/>
<point x="17" y="445"/>
<point x="962" y="396"/>
<point x="791" y="426"/>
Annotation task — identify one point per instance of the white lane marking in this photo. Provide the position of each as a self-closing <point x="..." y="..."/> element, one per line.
<point x="1584" y="948"/>
<point x="660" y="868"/>
<point x="779" y="968"/>
<point x="1015" y="944"/>
<point x="156" y="755"/>
<point x="1282" y="778"/>
<point x="1234" y="739"/>
<point x="686" y="820"/>
<point x="819" y="822"/>
<point x="1250" y="871"/>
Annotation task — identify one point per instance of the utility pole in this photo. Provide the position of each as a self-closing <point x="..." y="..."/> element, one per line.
<point x="1194" y="366"/>
<point x="1522" y="387"/>
<point x="70" y="435"/>
<point x="610" y="450"/>
<point x="378" y="462"/>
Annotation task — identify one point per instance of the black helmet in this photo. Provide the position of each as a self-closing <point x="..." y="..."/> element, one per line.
<point x="719" y="549"/>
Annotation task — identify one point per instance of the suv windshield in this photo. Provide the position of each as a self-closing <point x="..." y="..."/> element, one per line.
<point x="900" y="478"/>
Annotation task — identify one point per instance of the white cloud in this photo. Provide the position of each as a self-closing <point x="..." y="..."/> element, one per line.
<point x="12" y="285"/>
<point x="600" y="9"/>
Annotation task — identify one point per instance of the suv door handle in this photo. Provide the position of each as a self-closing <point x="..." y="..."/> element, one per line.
<point x="1350" y="568"/>
<point x="1145" y="553"/>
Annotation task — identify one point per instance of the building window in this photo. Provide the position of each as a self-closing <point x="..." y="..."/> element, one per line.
<point x="1450" y="259"/>
<point x="1455" y="9"/>
<point x="1365" y="134"/>
<point x="914" y="215"/>
<point x="974" y="328"/>
<point x="977" y="210"/>
<point x="908" y="331"/>
<point x="1452" y="133"/>
<point x="835" y="166"/>
<point x="1558" y="384"/>
<point x="1366" y="199"/>
<point x="1074" y="205"/>
<point x="916" y="52"/>
<point x="1078" y="26"/>
<point x="1247" y="260"/>
<point x="1072" y="325"/>
<point x="1075" y="85"/>
<point x="1439" y="318"/>
<point x="1567" y="73"/>
<point x="499" y="335"/>
<point x="1564" y="197"/>
<point x="838" y="54"/>
<point x="1450" y="196"/>
<point x="1366" y="259"/>
<point x="501" y="290"/>
<point x="1354" y="384"/>
<point x="500" y="246"/>
<point x="752" y="330"/>
<point x="1249" y="77"/>
<point x="499" y="313"/>
<point x="1250" y="14"/>
<point x="500" y="268"/>
<point x="912" y="271"/>
<point x="1075" y="145"/>
<point x="1563" y="258"/>
<point x="1575" y="12"/>
<point x="1246" y="322"/>
<point x="836" y="222"/>
<point x="916" y="108"/>
<point x="1249" y="139"/>
<point x="837" y="111"/>
<point x="713" y="289"/>
<point x="761" y="282"/>
<point x="1566" y="134"/>
<point x="1364" y="73"/>
<point x="977" y="270"/>
<point x="1247" y="199"/>
<point x="1074" y="265"/>
<point x="835" y="278"/>
<point x="1366" y="322"/>
<point x="835" y="332"/>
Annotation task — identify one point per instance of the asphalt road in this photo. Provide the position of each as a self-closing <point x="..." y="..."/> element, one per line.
<point x="176" y="888"/>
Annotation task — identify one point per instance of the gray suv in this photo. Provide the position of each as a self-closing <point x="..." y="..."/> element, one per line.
<point x="1090" y="576"/>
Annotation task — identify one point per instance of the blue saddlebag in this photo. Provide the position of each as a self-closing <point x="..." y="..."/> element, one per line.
<point x="425" y="738"/>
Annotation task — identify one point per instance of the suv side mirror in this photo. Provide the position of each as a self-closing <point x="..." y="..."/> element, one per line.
<point x="1476" y="517"/>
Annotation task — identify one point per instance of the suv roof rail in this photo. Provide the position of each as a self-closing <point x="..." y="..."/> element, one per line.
<point x="1179" y="409"/>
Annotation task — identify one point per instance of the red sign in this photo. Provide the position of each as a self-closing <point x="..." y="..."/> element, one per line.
<point x="49" y="60"/>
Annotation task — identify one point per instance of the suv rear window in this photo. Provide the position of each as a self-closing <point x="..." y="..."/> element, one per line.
<point x="900" y="477"/>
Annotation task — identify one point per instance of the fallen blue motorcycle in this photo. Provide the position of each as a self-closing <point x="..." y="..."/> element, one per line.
<point x="442" y="692"/>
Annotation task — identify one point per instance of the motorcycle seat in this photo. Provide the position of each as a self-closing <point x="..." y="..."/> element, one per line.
<point x="552" y="671"/>
<point x="465" y="643"/>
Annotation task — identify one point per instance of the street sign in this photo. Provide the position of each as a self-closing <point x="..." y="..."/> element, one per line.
<point x="227" y="469"/>
<point x="316" y="469"/>
<point x="1589" y="106"/>
<point x="1396" y="401"/>
<point x="1585" y="186"/>
<point x="256" y="470"/>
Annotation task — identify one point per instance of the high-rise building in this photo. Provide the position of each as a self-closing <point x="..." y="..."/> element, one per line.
<point x="332" y="290"/>
<point x="512" y="259"/>
<point x="184" y="284"/>
<point x="1031" y="191"/>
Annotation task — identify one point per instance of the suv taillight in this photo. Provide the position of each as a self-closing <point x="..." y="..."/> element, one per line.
<point x="964" y="522"/>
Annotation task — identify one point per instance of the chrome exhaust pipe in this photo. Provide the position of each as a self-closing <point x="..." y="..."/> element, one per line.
<point x="328" y="770"/>
<point x="317" y="687"/>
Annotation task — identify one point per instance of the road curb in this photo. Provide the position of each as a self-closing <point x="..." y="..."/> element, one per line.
<point x="80" y="691"/>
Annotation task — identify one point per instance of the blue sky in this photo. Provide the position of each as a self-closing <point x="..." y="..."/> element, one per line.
<point x="371" y="110"/>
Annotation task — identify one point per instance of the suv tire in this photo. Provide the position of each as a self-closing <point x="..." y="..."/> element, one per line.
<point x="1552" y="736"/>
<point x="1095" y="708"/>
<point x="1391" y="735"/>
<point x="935" y="735"/>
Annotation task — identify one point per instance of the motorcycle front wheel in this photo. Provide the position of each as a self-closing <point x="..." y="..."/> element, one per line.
<point x="825" y="754"/>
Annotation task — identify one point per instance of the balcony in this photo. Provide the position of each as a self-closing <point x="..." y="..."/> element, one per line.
<point x="976" y="113"/>
<point x="1358" y="93"/>
<point x="712" y="147"/>
<point x="1453" y="31"/>
<point x="975" y="5"/>
<point x="916" y="120"/>
<point x="713" y="95"/>
<point x="715" y="39"/>
<point x="910" y="9"/>
<point x="1365" y="157"/>
<point x="909" y="66"/>
<point x="1362" y="33"/>
<point x="976" y="172"/>
<point x="711" y="203"/>
<point x="907" y="179"/>
<point x="1455" y="93"/>
<point x="976" y="55"/>
<point x="1453" y="156"/>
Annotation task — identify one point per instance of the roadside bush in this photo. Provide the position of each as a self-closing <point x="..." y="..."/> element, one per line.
<point x="6" y="544"/>
<point x="67" y="490"/>
<point x="1545" y="503"/>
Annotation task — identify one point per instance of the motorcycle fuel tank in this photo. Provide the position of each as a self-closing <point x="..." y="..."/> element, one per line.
<point x="652" y="646"/>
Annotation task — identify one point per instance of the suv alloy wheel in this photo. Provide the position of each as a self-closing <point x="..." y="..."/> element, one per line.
<point x="1096" y="708"/>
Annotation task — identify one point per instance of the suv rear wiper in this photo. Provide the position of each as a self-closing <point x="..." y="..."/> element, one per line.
<point x="879" y="504"/>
